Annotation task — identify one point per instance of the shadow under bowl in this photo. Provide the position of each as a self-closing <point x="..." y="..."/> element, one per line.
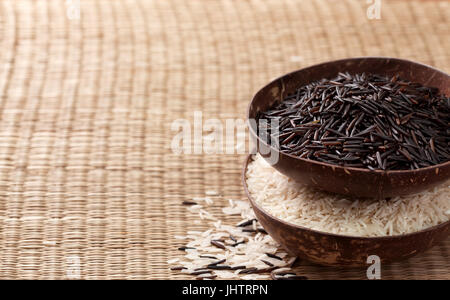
<point x="341" y="250"/>
<point x="348" y="180"/>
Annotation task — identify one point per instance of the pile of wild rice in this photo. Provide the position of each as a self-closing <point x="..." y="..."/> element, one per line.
<point x="283" y="198"/>
<point x="367" y="121"/>
<point x="240" y="251"/>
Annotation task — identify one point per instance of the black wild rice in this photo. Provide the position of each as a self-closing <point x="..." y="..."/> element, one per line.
<point x="238" y="268"/>
<point x="185" y="248"/>
<point x="217" y="262"/>
<point x="248" y="270"/>
<point x="218" y="267"/>
<point x="261" y="230"/>
<point x="286" y="275"/>
<point x="200" y="272"/>
<point x="207" y="256"/>
<point x="218" y="244"/>
<point x="267" y="263"/>
<point x="273" y="256"/>
<point x="366" y="121"/>
<point x="237" y="243"/>
<point x="179" y="268"/>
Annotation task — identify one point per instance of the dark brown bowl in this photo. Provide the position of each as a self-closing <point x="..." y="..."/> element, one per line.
<point x="341" y="250"/>
<point x="346" y="180"/>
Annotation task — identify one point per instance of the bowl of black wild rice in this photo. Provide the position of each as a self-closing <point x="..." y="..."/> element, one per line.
<point x="366" y="127"/>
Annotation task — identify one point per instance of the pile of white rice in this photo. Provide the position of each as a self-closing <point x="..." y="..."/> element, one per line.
<point x="250" y="252"/>
<point x="297" y="204"/>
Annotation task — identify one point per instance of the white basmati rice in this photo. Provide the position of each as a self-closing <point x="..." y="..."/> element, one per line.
<point x="172" y="261"/>
<point x="212" y="193"/>
<point x="248" y="249"/>
<point x="287" y="200"/>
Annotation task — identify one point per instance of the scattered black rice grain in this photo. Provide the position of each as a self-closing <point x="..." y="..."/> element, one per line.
<point x="273" y="256"/>
<point x="207" y="256"/>
<point x="200" y="272"/>
<point x="362" y="120"/>
<point x="248" y="271"/>
<point x="237" y="243"/>
<point x="267" y="263"/>
<point x="217" y="262"/>
<point x="218" y="267"/>
<point x="178" y="268"/>
<point x="218" y="244"/>
<point x="239" y="268"/>
<point x="257" y="271"/>
<point x="262" y="230"/>
<point x="246" y="223"/>
<point x="185" y="248"/>
<point x="189" y="203"/>
<point x="286" y="275"/>
<point x="255" y="230"/>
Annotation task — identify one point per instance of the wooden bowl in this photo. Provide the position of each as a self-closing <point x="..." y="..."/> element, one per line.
<point x="341" y="250"/>
<point x="347" y="180"/>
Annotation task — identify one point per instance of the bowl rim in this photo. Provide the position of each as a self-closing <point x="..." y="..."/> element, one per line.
<point x="329" y="165"/>
<point x="323" y="233"/>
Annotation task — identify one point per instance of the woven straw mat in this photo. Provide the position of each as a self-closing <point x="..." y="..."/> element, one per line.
<point x="87" y="101"/>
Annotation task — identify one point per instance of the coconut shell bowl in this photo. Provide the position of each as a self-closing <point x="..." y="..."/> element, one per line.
<point x="341" y="250"/>
<point x="350" y="180"/>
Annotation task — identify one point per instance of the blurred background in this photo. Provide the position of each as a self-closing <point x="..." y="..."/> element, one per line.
<point x="90" y="186"/>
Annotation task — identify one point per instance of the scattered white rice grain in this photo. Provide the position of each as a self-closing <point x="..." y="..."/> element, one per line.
<point x="49" y="243"/>
<point x="280" y="270"/>
<point x="212" y="193"/>
<point x="231" y="211"/>
<point x="195" y="208"/>
<point x="203" y="214"/>
<point x="296" y="58"/>
<point x="188" y="270"/>
<point x="206" y="200"/>
<point x="226" y="275"/>
<point x="172" y="261"/>
<point x="193" y="232"/>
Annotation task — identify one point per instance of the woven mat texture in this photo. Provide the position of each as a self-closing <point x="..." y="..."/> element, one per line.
<point x="86" y="107"/>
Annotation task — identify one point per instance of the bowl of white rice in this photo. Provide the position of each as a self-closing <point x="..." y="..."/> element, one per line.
<point x="332" y="229"/>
